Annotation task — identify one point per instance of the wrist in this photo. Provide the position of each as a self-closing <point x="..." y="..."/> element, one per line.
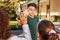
<point x="24" y="24"/>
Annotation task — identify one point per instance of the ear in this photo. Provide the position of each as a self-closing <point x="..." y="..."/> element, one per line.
<point x="47" y="29"/>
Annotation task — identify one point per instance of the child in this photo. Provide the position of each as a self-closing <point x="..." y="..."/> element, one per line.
<point x="32" y="20"/>
<point x="47" y="30"/>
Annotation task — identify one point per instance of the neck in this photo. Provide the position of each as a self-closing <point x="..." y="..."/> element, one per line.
<point x="31" y="16"/>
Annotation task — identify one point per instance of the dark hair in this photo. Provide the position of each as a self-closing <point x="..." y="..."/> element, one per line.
<point x="53" y="37"/>
<point x="42" y="30"/>
<point x="32" y="4"/>
<point x="4" y="25"/>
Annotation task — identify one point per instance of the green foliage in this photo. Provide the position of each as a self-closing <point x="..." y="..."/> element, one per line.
<point x="9" y="6"/>
<point x="13" y="25"/>
<point x="58" y="18"/>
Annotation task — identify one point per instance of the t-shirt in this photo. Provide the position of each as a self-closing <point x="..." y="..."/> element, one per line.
<point x="32" y="22"/>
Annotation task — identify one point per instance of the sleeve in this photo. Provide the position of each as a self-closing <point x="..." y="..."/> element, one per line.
<point x="26" y="32"/>
<point x="18" y="27"/>
<point x="16" y="38"/>
<point x="13" y="38"/>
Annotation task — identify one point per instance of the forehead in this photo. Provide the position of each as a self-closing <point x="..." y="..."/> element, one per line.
<point x="31" y="7"/>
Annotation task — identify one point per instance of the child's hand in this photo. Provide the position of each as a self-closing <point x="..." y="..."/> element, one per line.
<point x="26" y="13"/>
<point x="23" y="20"/>
<point x="19" y="21"/>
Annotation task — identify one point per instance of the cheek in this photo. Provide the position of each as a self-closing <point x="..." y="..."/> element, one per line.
<point x="30" y="11"/>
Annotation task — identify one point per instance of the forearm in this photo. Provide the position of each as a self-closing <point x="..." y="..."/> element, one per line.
<point x="26" y="32"/>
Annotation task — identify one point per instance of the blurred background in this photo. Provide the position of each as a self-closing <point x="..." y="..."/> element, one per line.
<point x="47" y="9"/>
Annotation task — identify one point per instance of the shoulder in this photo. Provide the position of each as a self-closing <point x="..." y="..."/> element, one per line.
<point x="16" y="38"/>
<point x="36" y="17"/>
<point x="13" y="38"/>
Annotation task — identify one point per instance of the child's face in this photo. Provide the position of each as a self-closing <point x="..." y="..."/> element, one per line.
<point x="31" y="10"/>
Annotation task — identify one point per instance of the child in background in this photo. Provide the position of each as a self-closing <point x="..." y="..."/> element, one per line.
<point x="32" y="20"/>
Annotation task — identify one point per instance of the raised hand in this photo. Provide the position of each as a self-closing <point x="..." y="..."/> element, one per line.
<point x="23" y="19"/>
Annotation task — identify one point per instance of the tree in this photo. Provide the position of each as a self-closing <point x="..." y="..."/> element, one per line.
<point x="9" y="6"/>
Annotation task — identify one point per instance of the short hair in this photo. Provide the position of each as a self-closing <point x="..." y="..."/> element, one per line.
<point x="32" y="4"/>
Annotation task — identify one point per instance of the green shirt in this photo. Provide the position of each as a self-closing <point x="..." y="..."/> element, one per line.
<point x="32" y="22"/>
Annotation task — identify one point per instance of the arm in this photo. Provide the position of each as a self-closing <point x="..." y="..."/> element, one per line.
<point x="26" y="32"/>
